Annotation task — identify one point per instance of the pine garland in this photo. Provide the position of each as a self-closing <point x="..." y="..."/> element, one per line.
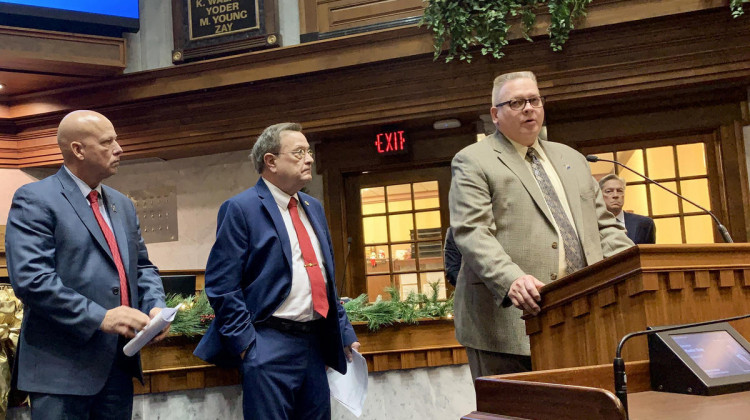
<point x="196" y="314"/>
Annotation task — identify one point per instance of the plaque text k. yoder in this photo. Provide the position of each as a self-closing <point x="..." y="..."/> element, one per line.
<point x="211" y="18"/>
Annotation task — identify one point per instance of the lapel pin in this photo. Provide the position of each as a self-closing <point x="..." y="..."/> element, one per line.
<point x="306" y="203"/>
<point x="567" y="166"/>
<point x="114" y="209"/>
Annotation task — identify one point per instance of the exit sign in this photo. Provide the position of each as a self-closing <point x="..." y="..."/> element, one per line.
<point x="391" y="142"/>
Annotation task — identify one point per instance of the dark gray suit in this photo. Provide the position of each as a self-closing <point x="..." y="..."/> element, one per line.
<point x="62" y="269"/>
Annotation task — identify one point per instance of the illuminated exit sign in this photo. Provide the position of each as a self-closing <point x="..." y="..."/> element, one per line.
<point x="391" y="142"/>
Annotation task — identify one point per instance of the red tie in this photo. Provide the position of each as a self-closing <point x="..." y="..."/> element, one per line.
<point x="314" y="271"/>
<point x="110" y="237"/>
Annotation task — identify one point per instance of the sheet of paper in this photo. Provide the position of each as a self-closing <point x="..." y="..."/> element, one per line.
<point x="165" y="317"/>
<point x="350" y="389"/>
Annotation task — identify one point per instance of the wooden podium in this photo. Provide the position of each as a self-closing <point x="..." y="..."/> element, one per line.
<point x="583" y="316"/>
<point x="586" y="393"/>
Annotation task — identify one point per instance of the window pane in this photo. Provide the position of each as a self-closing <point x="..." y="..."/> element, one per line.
<point x="437" y="276"/>
<point x="599" y="169"/>
<point x="403" y="257"/>
<point x="374" y="229"/>
<point x="426" y="195"/>
<point x="633" y="159"/>
<point x="376" y="286"/>
<point x="373" y="200"/>
<point x="402" y="227"/>
<point x="699" y="229"/>
<point x="399" y="197"/>
<point x="406" y="283"/>
<point x="695" y="190"/>
<point x="428" y="225"/>
<point x="668" y="231"/>
<point x="377" y="259"/>
<point x="635" y="199"/>
<point x="663" y="202"/>
<point x="691" y="159"/>
<point x="660" y="162"/>
<point x="430" y="255"/>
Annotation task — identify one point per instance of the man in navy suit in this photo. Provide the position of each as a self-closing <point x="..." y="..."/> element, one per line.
<point x="640" y="229"/>
<point x="77" y="261"/>
<point x="270" y="280"/>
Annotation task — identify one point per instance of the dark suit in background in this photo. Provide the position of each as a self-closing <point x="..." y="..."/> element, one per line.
<point x="640" y="229"/>
<point x="69" y="354"/>
<point x="451" y="257"/>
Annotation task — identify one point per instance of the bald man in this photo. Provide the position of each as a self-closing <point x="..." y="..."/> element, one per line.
<point x="77" y="261"/>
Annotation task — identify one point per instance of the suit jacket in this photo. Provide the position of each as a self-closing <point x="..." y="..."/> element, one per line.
<point x="641" y="229"/>
<point x="504" y="230"/>
<point x="62" y="269"/>
<point x="249" y="275"/>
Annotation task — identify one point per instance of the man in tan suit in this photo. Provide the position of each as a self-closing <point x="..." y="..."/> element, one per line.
<point x="524" y="212"/>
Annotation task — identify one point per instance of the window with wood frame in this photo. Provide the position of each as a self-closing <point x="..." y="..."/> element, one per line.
<point x="402" y="238"/>
<point x="680" y="167"/>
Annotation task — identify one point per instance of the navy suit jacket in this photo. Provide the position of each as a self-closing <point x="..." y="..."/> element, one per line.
<point x="62" y="269"/>
<point x="641" y="229"/>
<point x="249" y="275"/>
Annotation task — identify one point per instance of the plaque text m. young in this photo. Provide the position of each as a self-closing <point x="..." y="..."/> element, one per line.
<point x="210" y="18"/>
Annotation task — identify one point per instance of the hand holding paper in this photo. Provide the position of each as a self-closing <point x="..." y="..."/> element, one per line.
<point x="157" y="324"/>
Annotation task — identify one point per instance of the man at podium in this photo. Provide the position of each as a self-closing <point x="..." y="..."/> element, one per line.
<point x="524" y="212"/>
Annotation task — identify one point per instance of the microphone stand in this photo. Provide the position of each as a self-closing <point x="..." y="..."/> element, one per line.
<point x="722" y="230"/>
<point x="621" y="388"/>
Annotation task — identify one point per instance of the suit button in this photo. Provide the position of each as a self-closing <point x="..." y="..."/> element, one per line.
<point x="115" y="291"/>
<point x="554" y="245"/>
<point x="553" y="276"/>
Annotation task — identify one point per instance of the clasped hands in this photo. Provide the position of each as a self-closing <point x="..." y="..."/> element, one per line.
<point x="126" y="321"/>
<point x="524" y="293"/>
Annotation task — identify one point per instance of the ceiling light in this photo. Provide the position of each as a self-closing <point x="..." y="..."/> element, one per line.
<point x="2" y="85"/>
<point x="445" y="124"/>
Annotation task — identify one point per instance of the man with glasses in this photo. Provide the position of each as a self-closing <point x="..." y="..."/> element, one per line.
<point x="270" y="281"/>
<point x="640" y="229"/>
<point x="524" y="212"/>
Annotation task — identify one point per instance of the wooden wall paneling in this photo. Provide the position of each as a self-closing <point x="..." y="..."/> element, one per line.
<point x="345" y="14"/>
<point x="308" y="16"/>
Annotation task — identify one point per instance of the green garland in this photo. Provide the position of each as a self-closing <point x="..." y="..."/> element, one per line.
<point x="484" y="24"/>
<point x="196" y="314"/>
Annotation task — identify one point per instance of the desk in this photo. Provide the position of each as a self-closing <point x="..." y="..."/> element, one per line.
<point x="587" y="393"/>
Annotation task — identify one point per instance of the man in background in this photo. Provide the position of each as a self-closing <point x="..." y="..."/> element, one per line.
<point x="270" y="280"/>
<point x="524" y="212"/>
<point x="640" y="229"/>
<point x="77" y="260"/>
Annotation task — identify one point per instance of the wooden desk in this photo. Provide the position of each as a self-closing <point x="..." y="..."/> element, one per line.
<point x="587" y="393"/>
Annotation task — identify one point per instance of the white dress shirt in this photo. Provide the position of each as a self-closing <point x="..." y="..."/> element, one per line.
<point x="298" y="306"/>
<point x="85" y="190"/>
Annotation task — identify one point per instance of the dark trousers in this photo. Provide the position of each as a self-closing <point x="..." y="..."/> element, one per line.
<point x="488" y="363"/>
<point x="113" y="402"/>
<point x="284" y="377"/>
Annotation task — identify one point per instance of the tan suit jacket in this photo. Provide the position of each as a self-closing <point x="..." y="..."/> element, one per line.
<point x="504" y="230"/>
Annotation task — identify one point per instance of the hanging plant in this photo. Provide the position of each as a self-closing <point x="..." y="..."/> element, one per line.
<point x="465" y="24"/>
<point x="485" y="23"/>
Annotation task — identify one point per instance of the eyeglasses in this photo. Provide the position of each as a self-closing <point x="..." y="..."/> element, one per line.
<point x="519" y="104"/>
<point x="299" y="153"/>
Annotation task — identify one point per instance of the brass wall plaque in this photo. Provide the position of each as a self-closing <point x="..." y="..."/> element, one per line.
<point x="211" y="18"/>
<point x="157" y="212"/>
<point x="212" y="28"/>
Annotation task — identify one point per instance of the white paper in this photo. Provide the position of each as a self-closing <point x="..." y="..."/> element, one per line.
<point x="165" y="317"/>
<point x="350" y="389"/>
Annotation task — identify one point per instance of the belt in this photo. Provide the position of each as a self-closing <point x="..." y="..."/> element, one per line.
<point x="287" y="325"/>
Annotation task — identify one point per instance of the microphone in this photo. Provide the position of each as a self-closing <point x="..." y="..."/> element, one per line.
<point x="722" y="230"/>
<point x="621" y="389"/>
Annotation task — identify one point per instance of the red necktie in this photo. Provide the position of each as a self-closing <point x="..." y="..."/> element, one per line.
<point x="110" y="237"/>
<point x="314" y="271"/>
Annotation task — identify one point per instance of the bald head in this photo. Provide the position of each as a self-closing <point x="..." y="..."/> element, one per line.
<point x="88" y="143"/>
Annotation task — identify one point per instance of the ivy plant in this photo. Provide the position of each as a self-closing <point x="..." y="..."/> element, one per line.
<point x="465" y="24"/>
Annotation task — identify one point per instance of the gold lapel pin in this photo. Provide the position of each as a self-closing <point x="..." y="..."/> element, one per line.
<point x="306" y="203"/>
